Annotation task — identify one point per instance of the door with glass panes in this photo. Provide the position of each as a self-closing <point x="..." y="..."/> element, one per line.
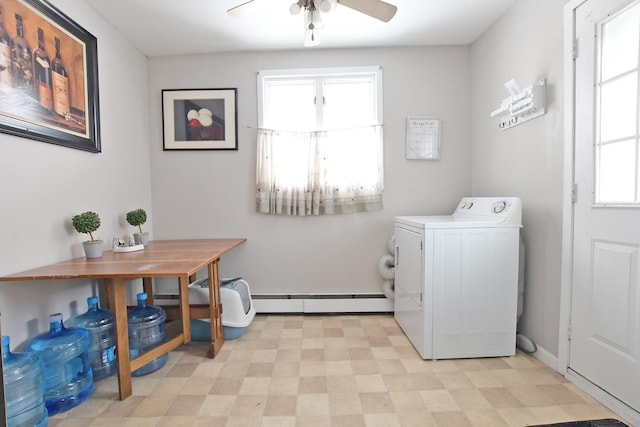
<point x="605" y="308"/>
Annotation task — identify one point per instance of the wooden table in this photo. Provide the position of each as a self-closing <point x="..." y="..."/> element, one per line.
<point x="169" y="258"/>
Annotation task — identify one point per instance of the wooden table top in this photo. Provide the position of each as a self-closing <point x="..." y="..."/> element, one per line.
<point x="161" y="258"/>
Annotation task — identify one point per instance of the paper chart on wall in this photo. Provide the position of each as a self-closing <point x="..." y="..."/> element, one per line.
<point x="423" y="138"/>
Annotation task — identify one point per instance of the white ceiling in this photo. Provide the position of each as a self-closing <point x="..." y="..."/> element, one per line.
<point x="174" y="27"/>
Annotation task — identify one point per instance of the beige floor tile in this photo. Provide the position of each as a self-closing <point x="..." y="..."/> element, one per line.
<point x="280" y="405"/>
<point x="185" y="405"/>
<point x="153" y="406"/>
<point x="407" y="401"/>
<point x="341" y="384"/>
<point x="255" y="385"/>
<point x="344" y="404"/>
<point x="284" y="385"/>
<point x="370" y="383"/>
<point x="451" y="419"/>
<point x="338" y="367"/>
<point x="216" y="406"/>
<point x="400" y="382"/>
<point x="469" y="398"/>
<point x="312" y="385"/>
<point x="374" y="403"/>
<point x="439" y="401"/>
<point x="485" y="418"/>
<point x="382" y="420"/>
<point x="313" y="404"/>
<point x="422" y="418"/>
<point x="347" y="421"/>
<point x="197" y="386"/>
<point x="249" y="405"/>
<point x="310" y="420"/>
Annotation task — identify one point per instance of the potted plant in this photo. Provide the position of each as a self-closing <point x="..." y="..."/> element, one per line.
<point x="136" y="218"/>
<point x="88" y="222"/>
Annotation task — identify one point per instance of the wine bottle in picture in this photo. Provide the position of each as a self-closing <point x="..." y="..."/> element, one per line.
<point x="21" y="60"/>
<point x="60" y="79"/>
<point x="42" y="73"/>
<point x="5" y="57"/>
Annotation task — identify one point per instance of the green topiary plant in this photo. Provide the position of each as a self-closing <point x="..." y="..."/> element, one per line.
<point x="86" y="222"/>
<point x="136" y="218"/>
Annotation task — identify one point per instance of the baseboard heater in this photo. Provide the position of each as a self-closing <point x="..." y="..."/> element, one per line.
<point x="322" y="303"/>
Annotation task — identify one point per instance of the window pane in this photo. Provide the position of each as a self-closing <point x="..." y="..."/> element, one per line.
<point x="290" y="105"/>
<point x="348" y="103"/>
<point x="620" y="43"/>
<point x="617" y="173"/>
<point x="618" y="109"/>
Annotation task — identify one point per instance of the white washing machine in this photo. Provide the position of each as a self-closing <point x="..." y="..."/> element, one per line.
<point x="456" y="279"/>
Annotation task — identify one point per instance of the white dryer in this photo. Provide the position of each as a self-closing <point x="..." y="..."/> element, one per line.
<point x="456" y="279"/>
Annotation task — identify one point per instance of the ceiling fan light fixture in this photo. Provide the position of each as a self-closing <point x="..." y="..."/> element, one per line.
<point x="325" y="6"/>
<point x="312" y="26"/>
<point x="295" y="8"/>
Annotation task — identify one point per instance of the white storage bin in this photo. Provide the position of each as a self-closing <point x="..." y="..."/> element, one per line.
<point x="237" y="308"/>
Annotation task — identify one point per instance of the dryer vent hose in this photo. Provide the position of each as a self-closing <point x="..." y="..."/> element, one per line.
<point x="386" y="268"/>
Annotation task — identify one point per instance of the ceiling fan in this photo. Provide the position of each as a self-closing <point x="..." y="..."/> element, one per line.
<point x="313" y="9"/>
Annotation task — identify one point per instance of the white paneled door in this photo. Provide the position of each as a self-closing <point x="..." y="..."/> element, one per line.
<point x="605" y="310"/>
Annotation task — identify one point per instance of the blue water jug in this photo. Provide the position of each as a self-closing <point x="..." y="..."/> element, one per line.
<point x="146" y="331"/>
<point x="24" y="388"/>
<point x="102" y="332"/>
<point x="68" y="379"/>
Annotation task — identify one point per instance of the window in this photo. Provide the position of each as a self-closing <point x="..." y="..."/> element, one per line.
<point x="319" y="141"/>
<point x="617" y="171"/>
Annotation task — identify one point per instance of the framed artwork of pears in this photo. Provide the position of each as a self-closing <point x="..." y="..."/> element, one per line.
<point x="48" y="76"/>
<point x="200" y="119"/>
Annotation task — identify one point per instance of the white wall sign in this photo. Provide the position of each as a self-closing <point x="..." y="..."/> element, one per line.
<point x="423" y="138"/>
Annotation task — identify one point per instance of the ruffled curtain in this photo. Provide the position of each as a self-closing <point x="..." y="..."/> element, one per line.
<point x="319" y="173"/>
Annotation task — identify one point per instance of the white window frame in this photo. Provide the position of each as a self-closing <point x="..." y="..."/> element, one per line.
<point x="265" y="77"/>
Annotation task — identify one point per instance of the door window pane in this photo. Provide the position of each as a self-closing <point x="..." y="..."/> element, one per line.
<point x="617" y="172"/>
<point x="620" y="43"/>
<point x="618" y="108"/>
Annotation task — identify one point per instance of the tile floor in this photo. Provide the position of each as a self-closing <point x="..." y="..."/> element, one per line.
<point x="340" y="370"/>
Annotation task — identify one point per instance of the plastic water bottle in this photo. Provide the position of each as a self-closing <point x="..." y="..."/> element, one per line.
<point x="24" y="388"/>
<point x="146" y="331"/>
<point x="68" y="379"/>
<point x="102" y="332"/>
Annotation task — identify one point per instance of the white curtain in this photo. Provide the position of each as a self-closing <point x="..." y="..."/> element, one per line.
<point x="318" y="173"/>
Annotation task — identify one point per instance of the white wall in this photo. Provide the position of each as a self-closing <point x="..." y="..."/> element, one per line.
<point x="211" y="193"/>
<point x="44" y="185"/>
<point x="526" y="160"/>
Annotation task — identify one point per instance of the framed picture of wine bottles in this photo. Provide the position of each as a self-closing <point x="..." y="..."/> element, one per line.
<point x="200" y="119"/>
<point x="48" y="76"/>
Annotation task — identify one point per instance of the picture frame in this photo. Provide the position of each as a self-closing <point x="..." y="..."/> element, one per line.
<point x="49" y="80"/>
<point x="200" y="119"/>
<point x="422" y="138"/>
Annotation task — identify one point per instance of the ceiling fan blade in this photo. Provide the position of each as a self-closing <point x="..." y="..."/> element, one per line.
<point x="246" y="8"/>
<point x="375" y="8"/>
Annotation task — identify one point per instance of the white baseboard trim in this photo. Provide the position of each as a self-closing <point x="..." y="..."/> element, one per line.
<point x="547" y="358"/>
<point x="629" y="415"/>
<point x="319" y="303"/>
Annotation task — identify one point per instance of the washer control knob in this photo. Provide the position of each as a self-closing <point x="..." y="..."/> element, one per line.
<point x="499" y="207"/>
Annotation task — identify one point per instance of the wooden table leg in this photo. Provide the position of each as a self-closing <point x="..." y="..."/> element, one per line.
<point x="185" y="313"/>
<point x="116" y="292"/>
<point x="215" y="309"/>
<point x="147" y="287"/>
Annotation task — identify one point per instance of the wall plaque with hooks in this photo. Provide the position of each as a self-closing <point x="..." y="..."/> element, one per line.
<point x="522" y="104"/>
